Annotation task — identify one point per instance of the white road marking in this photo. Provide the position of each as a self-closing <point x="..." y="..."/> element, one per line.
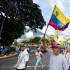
<point x="34" y="66"/>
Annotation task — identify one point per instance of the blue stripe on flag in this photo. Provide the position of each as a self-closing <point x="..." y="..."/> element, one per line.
<point x="56" y="21"/>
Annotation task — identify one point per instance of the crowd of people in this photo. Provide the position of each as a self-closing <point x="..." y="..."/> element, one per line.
<point x="5" y="50"/>
<point x="59" y="59"/>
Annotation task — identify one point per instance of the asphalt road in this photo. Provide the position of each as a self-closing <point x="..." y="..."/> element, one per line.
<point x="7" y="64"/>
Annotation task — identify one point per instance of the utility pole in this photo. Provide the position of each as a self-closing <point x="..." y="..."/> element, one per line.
<point x="2" y="25"/>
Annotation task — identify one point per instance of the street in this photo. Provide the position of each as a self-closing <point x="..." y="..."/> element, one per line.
<point x="8" y="64"/>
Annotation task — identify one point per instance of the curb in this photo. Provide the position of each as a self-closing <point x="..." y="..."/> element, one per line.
<point x="10" y="55"/>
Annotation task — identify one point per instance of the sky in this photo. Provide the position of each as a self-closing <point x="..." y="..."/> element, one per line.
<point x="47" y="7"/>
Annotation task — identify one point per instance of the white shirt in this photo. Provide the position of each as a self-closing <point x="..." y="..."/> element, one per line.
<point x="22" y="59"/>
<point x="39" y="55"/>
<point x="57" y="62"/>
<point x="68" y="58"/>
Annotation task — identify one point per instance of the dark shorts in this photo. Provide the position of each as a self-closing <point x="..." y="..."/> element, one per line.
<point x="19" y="69"/>
<point x="69" y="68"/>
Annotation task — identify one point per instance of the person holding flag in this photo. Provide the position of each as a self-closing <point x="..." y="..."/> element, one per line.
<point x="57" y="60"/>
<point x="59" y="22"/>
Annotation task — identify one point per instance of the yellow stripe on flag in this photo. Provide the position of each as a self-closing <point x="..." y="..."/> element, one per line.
<point x="60" y="16"/>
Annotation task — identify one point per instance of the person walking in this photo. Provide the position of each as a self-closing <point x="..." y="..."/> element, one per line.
<point x="23" y="59"/>
<point x="67" y="55"/>
<point x="39" y="56"/>
<point x="57" y="60"/>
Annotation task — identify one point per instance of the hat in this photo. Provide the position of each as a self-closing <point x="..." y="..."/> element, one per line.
<point x="53" y="43"/>
<point x="56" y="46"/>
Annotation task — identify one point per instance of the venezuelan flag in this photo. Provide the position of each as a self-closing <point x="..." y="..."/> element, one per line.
<point x="58" y="20"/>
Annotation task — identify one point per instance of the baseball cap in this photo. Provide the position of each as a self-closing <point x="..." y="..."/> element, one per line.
<point x="56" y="46"/>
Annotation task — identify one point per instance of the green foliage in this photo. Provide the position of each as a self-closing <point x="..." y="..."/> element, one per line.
<point x="19" y="13"/>
<point x="35" y="40"/>
<point x="50" y="38"/>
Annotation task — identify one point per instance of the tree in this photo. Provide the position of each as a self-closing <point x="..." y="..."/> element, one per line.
<point x="36" y="40"/>
<point x="17" y="15"/>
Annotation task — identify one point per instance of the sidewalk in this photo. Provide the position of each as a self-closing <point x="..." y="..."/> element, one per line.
<point x="7" y="56"/>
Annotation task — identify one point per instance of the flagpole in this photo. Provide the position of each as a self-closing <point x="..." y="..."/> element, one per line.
<point x="46" y="30"/>
<point x="57" y="34"/>
<point x="43" y="39"/>
<point x="48" y="24"/>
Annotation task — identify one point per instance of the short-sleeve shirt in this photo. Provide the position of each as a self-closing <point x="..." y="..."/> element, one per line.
<point x="24" y="57"/>
<point x="38" y="55"/>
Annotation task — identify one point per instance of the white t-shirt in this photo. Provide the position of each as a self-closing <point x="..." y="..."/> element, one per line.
<point x="38" y="55"/>
<point x="57" y="62"/>
<point x="22" y="59"/>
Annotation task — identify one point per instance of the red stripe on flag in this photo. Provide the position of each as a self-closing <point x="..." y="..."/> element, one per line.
<point x="56" y="27"/>
<point x="53" y="25"/>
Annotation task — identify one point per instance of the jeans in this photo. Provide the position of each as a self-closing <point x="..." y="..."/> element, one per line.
<point x="39" y="61"/>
